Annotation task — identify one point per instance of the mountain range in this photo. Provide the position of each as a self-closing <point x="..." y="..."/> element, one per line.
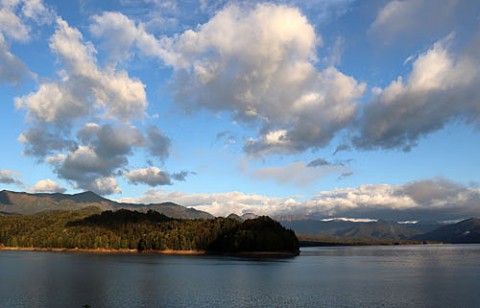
<point x="21" y="203"/>
<point x="383" y="232"/>
<point x="309" y="230"/>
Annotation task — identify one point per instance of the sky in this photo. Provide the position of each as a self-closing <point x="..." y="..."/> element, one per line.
<point x="319" y="108"/>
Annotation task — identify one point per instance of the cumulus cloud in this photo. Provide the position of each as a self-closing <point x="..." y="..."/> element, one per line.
<point x="442" y="87"/>
<point x="105" y="186"/>
<point x="103" y="151"/>
<point x="429" y="200"/>
<point x="10" y="177"/>
<point x="42" y="140"/>
<point x="256" y="62"/>
<point x="259" y="64"/>
<point x="151" y="176"/>
<point x="120" y="35"/>
<point x="47" y="186"/>
<point x="81" y="124"/>
<point x="84" y="87"/>
<point x="12" y="24"/>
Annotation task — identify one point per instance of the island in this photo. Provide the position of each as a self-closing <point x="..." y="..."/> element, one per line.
<point x="123" y="230"/>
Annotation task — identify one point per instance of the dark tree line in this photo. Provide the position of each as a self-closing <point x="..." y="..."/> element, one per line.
<point x="125" y="229"/>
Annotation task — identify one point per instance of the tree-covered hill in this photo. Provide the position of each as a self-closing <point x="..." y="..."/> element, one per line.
<point x="90" y="228"/>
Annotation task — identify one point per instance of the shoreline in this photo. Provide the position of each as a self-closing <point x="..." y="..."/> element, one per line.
<point x="106" y="251"/>
<point x="246" y="254"/>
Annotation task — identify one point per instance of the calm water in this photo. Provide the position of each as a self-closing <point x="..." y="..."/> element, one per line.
<point x="405" y="276"/>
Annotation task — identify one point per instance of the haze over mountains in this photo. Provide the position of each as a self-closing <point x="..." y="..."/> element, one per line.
<point x="327" y="231"/>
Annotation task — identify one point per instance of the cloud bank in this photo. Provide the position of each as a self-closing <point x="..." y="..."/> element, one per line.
<point x="429" y="200"/>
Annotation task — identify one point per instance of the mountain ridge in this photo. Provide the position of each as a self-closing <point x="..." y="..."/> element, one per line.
<point x="380" y="231"/>
<point x="24" y="203"/>
<point x="463" y="232"/>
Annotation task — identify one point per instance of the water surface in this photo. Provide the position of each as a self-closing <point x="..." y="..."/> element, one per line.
<point x="389" y="276"/>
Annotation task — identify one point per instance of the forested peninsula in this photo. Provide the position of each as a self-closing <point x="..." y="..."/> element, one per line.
<point x="90" y="229"/>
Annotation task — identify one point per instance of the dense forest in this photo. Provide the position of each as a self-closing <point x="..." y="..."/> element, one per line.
<point x="124" y="229"/>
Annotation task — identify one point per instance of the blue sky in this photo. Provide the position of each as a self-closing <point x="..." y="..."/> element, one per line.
<point x="362" y="109"/>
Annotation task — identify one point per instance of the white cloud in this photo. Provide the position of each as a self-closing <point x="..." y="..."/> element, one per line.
<point x="12" y="25"/>
<point x="259" y="64"/>
<point x="151" y="176"/>
<point x="105" y="186"/>
<point x="37" y="11"/>
<point x="442" y="87"/>
<point x="67" y="116"/>
<point x="47" y="186"/>
<point x="121" y="34"/>
<point x="84" y="88"/>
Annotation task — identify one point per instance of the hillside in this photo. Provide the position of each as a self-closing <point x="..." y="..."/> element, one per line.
<point x="22" y="203"/>
<point x="339" y="230"/>
<point x="124" y="229"/>
<point x="27" y="204"/>
<point x="467" y="231"/>
<point x="382" y="230"/>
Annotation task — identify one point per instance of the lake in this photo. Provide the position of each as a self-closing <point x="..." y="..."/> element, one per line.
<point x="376" y="276"/>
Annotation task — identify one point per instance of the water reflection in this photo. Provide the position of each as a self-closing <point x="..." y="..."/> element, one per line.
<point x="405" y="276"/>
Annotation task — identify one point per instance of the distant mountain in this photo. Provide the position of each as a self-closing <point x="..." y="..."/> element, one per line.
<point x="169" y="209"/>
<point x="340" y="230"/>
<point x="22" y="203"/>
<point x="317" y="227"/>
<point x="467" y="231"/>
<point x="383" y="230"/>
<point x="27" y="204"/>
